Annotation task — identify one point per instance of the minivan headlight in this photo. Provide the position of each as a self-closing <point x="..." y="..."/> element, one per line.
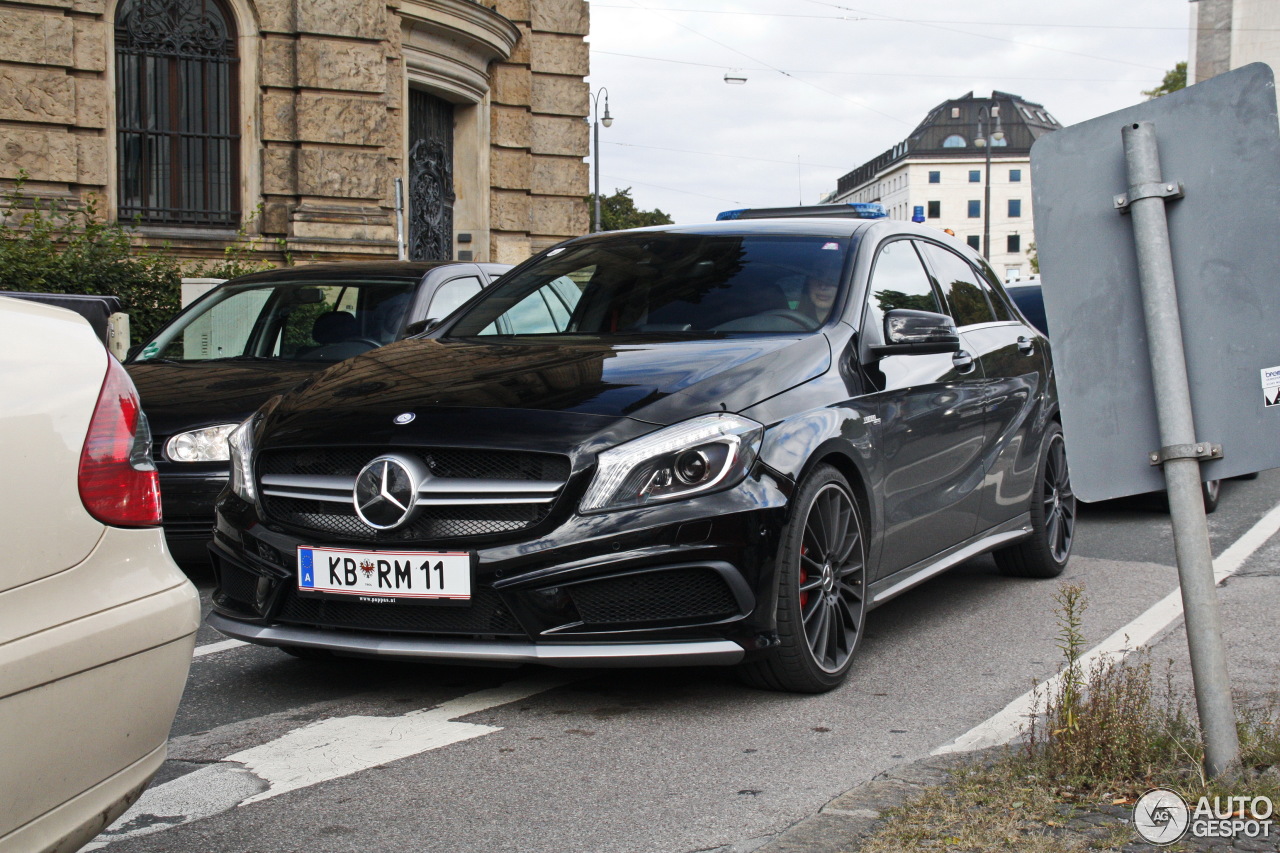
<point x="208" y="444"/>
<point x="690" y="458"/>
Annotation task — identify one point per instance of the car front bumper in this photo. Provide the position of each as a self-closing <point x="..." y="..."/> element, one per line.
<point x="690" y="582"/>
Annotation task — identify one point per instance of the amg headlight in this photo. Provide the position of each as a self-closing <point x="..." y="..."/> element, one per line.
<point x="240" y="444"/>
<point x="686" y="459"/>
<point x="200" y="445"/>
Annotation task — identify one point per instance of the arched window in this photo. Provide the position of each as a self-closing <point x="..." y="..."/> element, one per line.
<point x="955" y="140"/>
<point x="177" y="146"/>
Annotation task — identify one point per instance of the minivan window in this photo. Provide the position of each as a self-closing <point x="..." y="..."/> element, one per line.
<point x="307" y="320"/>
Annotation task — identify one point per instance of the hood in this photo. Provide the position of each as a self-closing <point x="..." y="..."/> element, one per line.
<point x="178" y="397"/>
<point x="558" y="394"/>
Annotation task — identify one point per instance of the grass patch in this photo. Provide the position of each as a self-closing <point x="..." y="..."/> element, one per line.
<point x="1105" y="735"/>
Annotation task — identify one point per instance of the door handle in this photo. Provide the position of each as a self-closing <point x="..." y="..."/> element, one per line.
<point x="1025" y="345"/>
<point x="962" y="361"/>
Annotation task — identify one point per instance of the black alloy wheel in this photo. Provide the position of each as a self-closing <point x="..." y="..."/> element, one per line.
<point x="822" y="571"/>
<point x="1045" y="552"/>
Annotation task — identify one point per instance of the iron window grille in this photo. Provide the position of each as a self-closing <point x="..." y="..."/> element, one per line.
<point x="177" y="113"/>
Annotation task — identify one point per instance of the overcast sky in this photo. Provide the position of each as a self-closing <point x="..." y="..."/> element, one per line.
<point x="832" y="84"/>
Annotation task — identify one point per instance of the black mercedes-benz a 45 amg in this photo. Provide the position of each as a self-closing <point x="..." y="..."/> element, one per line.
<point x="721" y="444"/>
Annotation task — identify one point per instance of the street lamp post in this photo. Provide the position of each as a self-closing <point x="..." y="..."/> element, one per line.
<point x="596" y="121"/>
<point x="985" y="114"/>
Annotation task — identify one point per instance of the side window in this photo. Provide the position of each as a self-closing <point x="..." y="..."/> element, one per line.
<point x="221" y="332"/>
<point x="898" y="280"/>
<point x="960" y="285"/>
<point x="998" y="303"/>
<point x="545" y="311"/>
<point x="450" y="295"/>
<point x="562" y="297"/>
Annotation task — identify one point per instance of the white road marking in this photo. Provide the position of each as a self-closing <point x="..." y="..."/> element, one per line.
<point x="1007" y="724"/>
<point x="214" y="648"/>
<point x="318" y="752"/>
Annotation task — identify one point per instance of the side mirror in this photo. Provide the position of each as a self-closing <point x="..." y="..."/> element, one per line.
<point x="908" y="332"/>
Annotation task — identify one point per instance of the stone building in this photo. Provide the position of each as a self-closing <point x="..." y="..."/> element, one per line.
<point x="941" y="169"/>
<point x="1226" y="34"/>
<point x="191" y="117"/>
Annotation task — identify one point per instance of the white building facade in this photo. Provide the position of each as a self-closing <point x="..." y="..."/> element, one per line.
<point x="1226" y="34"/>
<point x="940" y="173"/>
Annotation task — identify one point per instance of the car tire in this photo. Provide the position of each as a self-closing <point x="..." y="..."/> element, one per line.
<point x="1045" y="552"/>
<point x="1211" y="491"/>
<point x="822" y="570"/>
<point x="306" y="652"/>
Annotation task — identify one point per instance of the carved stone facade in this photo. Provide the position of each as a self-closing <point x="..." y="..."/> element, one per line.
<point x="322" y="89"/>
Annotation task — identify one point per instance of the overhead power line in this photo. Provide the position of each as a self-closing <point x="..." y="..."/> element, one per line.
<point x="721" y="154"/>
<point x="630" y="182"/>
<point x="1142" y="81"/>
<point x="1005" y="23"/>
<point x="787" y="74"/>
<point x="933" y="26"/>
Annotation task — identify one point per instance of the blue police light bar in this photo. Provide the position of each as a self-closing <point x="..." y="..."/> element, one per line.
<point x="851" y="210"/>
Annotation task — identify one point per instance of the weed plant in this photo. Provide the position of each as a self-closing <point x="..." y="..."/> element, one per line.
<point x="1106" y="733"/>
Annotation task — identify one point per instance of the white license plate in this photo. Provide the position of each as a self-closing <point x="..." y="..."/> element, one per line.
<point x="385" y="577"/>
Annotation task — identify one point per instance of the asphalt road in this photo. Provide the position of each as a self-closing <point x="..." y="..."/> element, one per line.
<point x="418" y="758"/>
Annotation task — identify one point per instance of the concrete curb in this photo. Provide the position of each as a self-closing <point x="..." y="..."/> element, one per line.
<point x="842" y="824"/>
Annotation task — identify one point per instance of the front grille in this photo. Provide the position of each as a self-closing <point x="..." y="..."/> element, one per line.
<point x="310" y="489"/>
<point x="486" y="615"/>
<point x="673" y="595"/>
<point x="442" y="462"/>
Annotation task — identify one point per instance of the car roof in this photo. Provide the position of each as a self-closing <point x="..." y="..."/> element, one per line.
<point x="797" y="226"/>
<point x="379" y="269"/>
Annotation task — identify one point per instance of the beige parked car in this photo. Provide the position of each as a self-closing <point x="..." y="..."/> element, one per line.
<point x="97" y="624"/>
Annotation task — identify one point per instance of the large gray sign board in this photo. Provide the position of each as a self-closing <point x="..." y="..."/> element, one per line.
<point x="1221" y="140"/>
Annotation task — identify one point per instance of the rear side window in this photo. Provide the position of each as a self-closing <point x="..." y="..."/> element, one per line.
<point x="899" y="280"/>
<point x="992" y="286"/>
<point x="959" y="285"/>
<point x="450" y="296"/>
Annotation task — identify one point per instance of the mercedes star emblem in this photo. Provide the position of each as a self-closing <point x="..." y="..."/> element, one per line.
<point x="386" y="491"/>
<point x="401" y="420"/>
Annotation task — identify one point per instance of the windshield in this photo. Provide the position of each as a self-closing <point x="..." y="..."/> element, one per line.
<point x="644" y="283"/>
<point x="311" y="320"/>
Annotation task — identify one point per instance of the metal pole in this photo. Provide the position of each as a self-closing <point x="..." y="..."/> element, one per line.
<point x="401" y="250"/>
<point x="596" y="164"/>
<point x="986" y="199"/>
<point x="1177" y="430"/>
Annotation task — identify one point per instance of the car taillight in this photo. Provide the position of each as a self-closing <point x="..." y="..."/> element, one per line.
<point x="118" y="481"/>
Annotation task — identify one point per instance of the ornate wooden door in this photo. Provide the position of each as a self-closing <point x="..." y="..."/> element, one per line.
<point x="430" y="177"/>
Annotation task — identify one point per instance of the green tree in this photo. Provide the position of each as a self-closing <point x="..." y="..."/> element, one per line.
<point x="1033" y="255"/>
<point x="1173" y="81"/>
<point x="619" y="211"/>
